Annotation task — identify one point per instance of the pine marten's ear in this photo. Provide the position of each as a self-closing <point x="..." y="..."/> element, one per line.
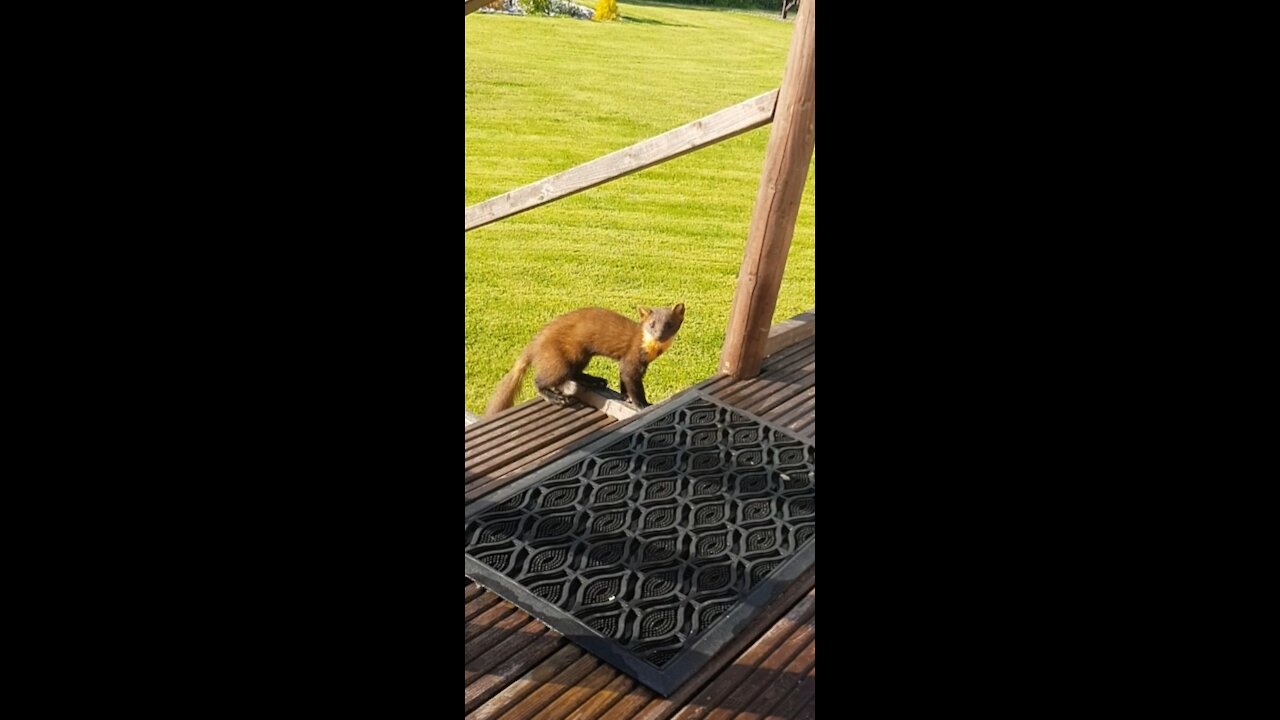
<point x="678" y="310"/>
<point x="644" y="312"/>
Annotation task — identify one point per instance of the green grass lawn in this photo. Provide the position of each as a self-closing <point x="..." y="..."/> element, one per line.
<point x="545" y="94"/>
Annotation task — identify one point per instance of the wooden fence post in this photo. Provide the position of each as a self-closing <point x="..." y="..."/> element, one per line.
<point x="773" y="222"/>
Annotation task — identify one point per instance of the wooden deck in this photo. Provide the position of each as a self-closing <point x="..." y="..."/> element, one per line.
<point x="519" y="669"/>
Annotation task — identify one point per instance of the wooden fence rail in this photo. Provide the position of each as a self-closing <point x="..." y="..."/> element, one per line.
<point x="474" y="5"/>
<point x="717" y="127"/>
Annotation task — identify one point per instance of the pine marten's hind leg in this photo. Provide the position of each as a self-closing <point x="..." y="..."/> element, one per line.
<point x="585" y="380"/>
<point x="548" y="381"/>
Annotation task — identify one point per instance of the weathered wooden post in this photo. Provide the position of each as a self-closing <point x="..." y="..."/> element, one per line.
<point x="773" y="222"/>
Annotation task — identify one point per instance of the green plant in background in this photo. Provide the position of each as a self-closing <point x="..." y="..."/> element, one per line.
<point x="536" y="7"/>
<point x="606" y="10"/>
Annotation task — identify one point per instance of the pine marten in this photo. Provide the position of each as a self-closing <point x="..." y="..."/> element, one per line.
<point x="564" y="346"/>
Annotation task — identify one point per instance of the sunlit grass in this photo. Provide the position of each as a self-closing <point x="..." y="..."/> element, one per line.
<point x="545" y="94"/>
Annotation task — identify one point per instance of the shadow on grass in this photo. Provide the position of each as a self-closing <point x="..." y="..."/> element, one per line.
<point x="660" y="3"/>
<point x="704" y="8"/>
<point x="650" y="21"/>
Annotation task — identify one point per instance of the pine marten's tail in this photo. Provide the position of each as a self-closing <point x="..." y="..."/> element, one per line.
<point x="505" y="396"/>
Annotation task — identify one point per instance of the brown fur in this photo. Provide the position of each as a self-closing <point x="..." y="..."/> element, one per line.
<point x="564" y="346"/>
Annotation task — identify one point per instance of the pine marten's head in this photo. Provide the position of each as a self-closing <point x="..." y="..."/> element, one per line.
<point x="660" y="326"/>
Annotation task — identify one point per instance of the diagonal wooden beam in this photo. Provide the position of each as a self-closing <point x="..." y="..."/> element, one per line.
<point x="725" y="124"/>
<point x="773" y="222"/>
<point x="474" y="5"/>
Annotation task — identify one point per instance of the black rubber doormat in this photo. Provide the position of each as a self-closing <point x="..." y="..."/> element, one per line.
<point x="651" y="548"/>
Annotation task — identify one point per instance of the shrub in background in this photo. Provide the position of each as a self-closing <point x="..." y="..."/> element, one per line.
<point x="607" y="10"/>
<point x="536" y="7"/>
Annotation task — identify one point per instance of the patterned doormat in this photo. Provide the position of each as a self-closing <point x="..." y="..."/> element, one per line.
<point x="653" y="547"/>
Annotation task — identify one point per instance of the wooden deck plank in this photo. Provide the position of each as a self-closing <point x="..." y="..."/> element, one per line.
<point x="766" y="403"/>
<point x="546" y="693"/>
<point x="481" y="486"/>
<point x="788" y="354"/>
<point x="488" y="426"/>
<point x="715" y="384"/>
<point x="800" y="356"/>
<point x="803" y="425"/>
<point x="772" y="413"/>
<point x="487" y="619"/>
<point x="741" y="692"/>
<point x="798" y="414"/>
<point x="788" y="358"/>
<point x="575" y="696"/>
<point x="503" y="650"/>
<point x="785" y="698"/>
<point x="782" y="374"/>
<point x="493" y="635"/>
<point x="491" y="683"/>
<point x="551" y="438"/>
<point x="759" y="637"/>
<point x="514" y="437"/>
<point x="777" y="674"/>
<point x="506" y="429"/>
<point x="790" y="332"/>
<point x="603" y="700"/>
<point x="735" y="692"/>
<point x="803" y="397"/>
<point x="479" y="604"/>
<point x="629" y="704"/>
<point x="799" y="696"/>
<point x="547" y="437"/>
<point x="799" y="411"/>
<point x="538" y="677"/>
<point x="785" y="383"/>
<point x="606" y="400"/>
